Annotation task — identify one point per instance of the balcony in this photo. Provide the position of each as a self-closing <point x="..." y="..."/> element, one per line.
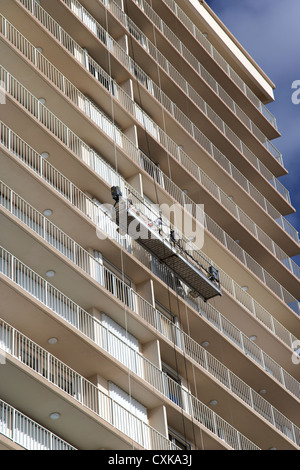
<point x="64" y="134"/>
<point x="89" y="208"/>
<point x="84" y="322"/>
<point x="221" y="68"/>
<point x="74" y="49"/>
<point x="104" y="123"/>
<point x="174" y="111"/>
<point x="25" y="432"/>
<point x="50" y="371"/>
<point x="209" y="421"/>
<point x="130" y="27"/>
<point x="82" y="259"/>
<point x="118" y="93"/>
<point x="246" y="127"/>
<point x="39" y="164"/>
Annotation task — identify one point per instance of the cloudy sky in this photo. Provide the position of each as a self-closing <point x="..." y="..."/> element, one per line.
<point x="270" y="31"/>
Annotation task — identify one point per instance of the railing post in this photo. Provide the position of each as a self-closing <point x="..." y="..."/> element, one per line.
<point x="46" y="294"/>
<point x="215" y="424"/>
<point x="229" y="380"/>
<point x="12" y="268"/>
<point x="282" y="377"/>
<point x="242" y="342"/>
<point x="251" y="398"/>
<point x="294" y="435"/>
<point x="44" y="227"/>
<point x="273" y="417"/>
<point x="239" y="441"/>
<point x="13" y="423"/>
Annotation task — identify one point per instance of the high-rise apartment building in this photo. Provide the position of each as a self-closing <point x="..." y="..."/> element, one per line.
<point x="148" y="296"/>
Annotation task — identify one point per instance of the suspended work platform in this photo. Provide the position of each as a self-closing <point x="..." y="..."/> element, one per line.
<point x="158" y="237"/>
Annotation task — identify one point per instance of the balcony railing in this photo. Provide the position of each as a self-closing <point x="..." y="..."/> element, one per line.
<point x="95" y="212"/>
<point x="167" y="66"/>
<point x="38" y="359"/>
<point x="50" y="296"/>
<point x="84" y="392"/>
<point x="91" y="158"/>
<point x="25" y="432"/>
<point x="71" y="140"/>
<point x="114" y="48"/>
<point x="65" y="245"/>
<point x="185" y="86"/>
<point x="94" y="329"/>
<point x="107" y="126"/>
<point x="138" y="114"/>
<point x="166" y="31"/>
<point x="64" y="85"/>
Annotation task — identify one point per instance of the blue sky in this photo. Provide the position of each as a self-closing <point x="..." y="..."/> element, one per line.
<point x="269" y="30"/>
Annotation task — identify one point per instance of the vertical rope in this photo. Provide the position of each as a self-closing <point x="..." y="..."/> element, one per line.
<point x="157" y="201"/>
<point x="116" y="168"/>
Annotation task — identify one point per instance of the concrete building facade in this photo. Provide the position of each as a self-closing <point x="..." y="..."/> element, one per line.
<point x="148" y="296"/>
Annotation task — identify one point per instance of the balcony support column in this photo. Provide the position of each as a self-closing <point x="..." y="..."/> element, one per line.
<point x="146" y="291"/>
<point x="136" y="182"/>
<point x="127" y="86"/>
<point x="123" y="42"/>
<point x="131" y="134"/>
<point x="157" y="418"/>
<point x="151" y="351"/>
<point x="97" y="330"/>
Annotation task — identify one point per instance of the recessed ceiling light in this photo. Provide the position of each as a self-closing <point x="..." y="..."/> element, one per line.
<point x="47" y="212"/>
<point x="245" y="288"/>
<point x="237" y="241"/>
<point x="54" y="415"/>
<point x="213" y="402"/>
<point x="262" y="391"/>
<point x="52" y="340"/>
<point x="50" y="273"/>
<point x="205" y="344"/>
<point x="185" y="191"/>
<point x="42" y="100"/>
<point x="44" y="154"/>
<point x="273" y="448"/>
<point x="39" y="49"/>
<point x="252" y="337"/>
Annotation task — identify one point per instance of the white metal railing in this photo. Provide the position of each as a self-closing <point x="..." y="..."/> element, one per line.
<point x="171" y="106"/>
<point x="73" y="384"/>
<point x="198" y="135"/>
<point x="156" y="132"/>
<point x="103" y="337"/>
<point x="94" y="329"/>
<point x="151" y="374"/>
<point x="231" y="286"/>
<point x="27" y="433"/>
<point x="207" y="46"/>
<point x="104" y="123"/>
<point x="96" y="115"/>
<point x="91" y="209"/>
<point x="158" y="57"/>
<point x="99" y="402"/>
<point x="94" y="211"/>
<point x="81" y="55"/>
